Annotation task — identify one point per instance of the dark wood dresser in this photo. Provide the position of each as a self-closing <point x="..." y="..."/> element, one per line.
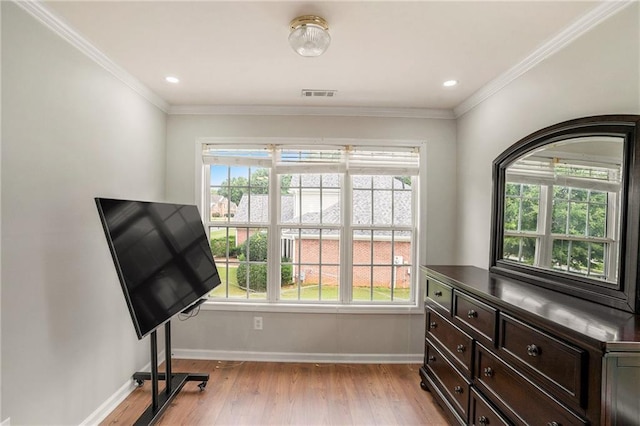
<point x="499" y="351"/>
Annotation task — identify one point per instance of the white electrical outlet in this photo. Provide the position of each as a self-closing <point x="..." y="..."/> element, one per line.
<point x="257" y="323"/>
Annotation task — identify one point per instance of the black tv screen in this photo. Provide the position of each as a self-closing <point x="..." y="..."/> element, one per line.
<point x="162" y="256"/>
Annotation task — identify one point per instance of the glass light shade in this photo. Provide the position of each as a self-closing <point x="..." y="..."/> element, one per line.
<point x="309" y="36"/>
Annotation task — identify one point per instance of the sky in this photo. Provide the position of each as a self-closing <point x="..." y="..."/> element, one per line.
<point x="220" y="173"/>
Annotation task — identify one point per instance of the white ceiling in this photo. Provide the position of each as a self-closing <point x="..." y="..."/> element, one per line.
<point x="383" y="54"/>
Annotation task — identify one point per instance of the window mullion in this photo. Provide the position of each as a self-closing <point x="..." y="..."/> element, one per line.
<point x="415" y="235"/>
<point x="206" y="195"/>
<point x="545" y="222"/>
<point x="274" y="231"/>
<point x="346" y="241"/>
<point x="611" y="233"/>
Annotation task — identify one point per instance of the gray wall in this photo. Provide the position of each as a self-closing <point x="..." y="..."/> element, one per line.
<point x="70" y="132"/>
<point x="299" y="335"/>
<point x="599" y="73"/>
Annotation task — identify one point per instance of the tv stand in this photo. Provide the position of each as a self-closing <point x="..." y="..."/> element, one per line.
<point x="173" y="381"/>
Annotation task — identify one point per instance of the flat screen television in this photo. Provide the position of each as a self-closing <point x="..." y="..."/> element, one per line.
<point x="162" y="257"/>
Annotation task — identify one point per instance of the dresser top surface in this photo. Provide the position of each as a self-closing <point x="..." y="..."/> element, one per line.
<point x="618" y="330"/>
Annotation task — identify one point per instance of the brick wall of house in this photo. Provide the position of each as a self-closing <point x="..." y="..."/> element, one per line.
<point x="309" y="259"/>
<point x="362" y="262"/>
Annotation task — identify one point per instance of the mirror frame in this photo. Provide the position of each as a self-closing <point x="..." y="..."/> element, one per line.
<point x="626" y="294"/>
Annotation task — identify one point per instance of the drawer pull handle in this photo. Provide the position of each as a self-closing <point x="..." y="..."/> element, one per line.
<point x="432" y="358"/>
<point x="437" y="293"/>
<point x="457" y="389"/>
<point x="482" y="420"/>
<point x="472" y="314"/>
<point x="460" y="348"/>
<point x="433" y="325"/>
<point x="533" y="350"/>
<point x="488" y="371"/>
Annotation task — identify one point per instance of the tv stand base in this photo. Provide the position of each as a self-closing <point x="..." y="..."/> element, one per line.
<point x="140" y="377"/>
<point x="174" y="382"/>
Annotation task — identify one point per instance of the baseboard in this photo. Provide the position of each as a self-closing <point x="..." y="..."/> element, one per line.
<point x="110" y="404"/>
<point x="114" y="400"/>
<point x="298" y="357"/>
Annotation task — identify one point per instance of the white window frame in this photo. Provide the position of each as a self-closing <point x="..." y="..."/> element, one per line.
<point x="545" y="238"/>
<point x="414" y="306"/>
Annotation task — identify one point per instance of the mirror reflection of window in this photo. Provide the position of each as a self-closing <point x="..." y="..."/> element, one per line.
<point x="561" y="207"/>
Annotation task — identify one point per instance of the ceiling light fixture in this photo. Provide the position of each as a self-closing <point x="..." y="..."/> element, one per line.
<point x="309" y="35"/>
<point x="172" y="79"/>
<point x="450" y="83"/>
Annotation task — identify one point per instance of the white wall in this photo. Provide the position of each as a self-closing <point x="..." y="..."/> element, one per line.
<point x="1" y="416"/>
<point x="337" y="335"/>
<point x="599" y="73"/>
<point x="70" y="132"/>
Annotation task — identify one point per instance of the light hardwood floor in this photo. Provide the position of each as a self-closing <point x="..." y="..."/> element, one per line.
<point x="271" y="393"/>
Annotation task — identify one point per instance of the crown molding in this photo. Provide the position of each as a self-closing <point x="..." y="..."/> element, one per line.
<point x="42" y="13"/>
<point x="445" y="114"/>
<point x="588" y="21"/>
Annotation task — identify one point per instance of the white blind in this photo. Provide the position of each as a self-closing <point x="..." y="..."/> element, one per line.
<point x="358" y="160"/>
<point x="236" y="157"/>
<point x="604" y="177"/>
<point x="392" y="160"/>
<point x="309" y="159"/>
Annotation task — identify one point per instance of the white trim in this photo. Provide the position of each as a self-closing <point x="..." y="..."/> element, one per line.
<point x="585" y="23"/>
<point x="233" y="142"/>
<point x="444" y="114"/>
<point x="39" y="10"/>
<point x="334" y="358"/>
<point x="346" y="305"/>
<point x="241" y="305"/>
<point x="118" y="396"/>
<point x="110" y="404"/>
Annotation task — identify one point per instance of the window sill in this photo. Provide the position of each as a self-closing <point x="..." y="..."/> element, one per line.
<point x="309" y="308"/>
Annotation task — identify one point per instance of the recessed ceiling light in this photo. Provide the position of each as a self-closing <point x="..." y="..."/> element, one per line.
<point x="172" y="79"/>
<point x="450" y="83"/>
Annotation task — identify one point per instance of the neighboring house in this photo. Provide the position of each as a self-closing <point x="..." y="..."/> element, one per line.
<point x="373" y="258"/>
<point x="254" y="209"/>
<point x="222" y="207"/>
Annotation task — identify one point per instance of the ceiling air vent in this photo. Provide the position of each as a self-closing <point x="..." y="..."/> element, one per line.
<point x="308" y="93"/>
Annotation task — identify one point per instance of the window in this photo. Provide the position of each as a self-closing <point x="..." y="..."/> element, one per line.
<point x="521" y="222"/>
<point x="564" y="220"/>
<point x="297" y="224"/>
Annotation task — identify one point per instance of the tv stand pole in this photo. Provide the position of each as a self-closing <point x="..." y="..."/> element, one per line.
<point x="173" y="382"/>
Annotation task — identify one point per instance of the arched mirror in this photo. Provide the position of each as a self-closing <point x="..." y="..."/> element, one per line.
<point x="566" y="209"/>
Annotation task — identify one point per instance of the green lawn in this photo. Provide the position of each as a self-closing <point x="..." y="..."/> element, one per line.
<point x="220" y="233"/>
<point x="307" y="292"/>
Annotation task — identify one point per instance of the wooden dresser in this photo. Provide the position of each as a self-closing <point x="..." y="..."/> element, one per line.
<point x="499" y="351"/>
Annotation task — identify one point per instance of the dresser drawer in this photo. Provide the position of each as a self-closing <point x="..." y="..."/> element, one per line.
<point x="481" y="413"/>
<point x="439" y="294"/>
<point x="478" y="316"/>
<point x="451" y="383"/>
<point x="559" y="365"/>
<point x="516" y="396"/>
<point x="457" y="343"/>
